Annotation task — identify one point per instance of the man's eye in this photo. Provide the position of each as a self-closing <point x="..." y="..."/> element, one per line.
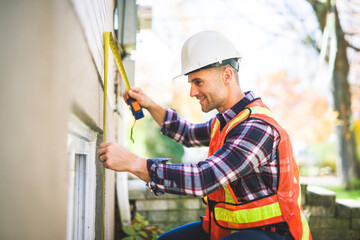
<point x="197" y="83"/>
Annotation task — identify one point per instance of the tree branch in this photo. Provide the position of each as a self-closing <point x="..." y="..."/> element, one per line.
<point x="352" y="46"/>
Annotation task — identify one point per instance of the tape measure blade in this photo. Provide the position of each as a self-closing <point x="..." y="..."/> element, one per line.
<point x="119" y="63"/>
<point x="106" y="38"/>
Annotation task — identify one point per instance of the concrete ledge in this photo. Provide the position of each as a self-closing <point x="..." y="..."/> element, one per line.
<point x="303" y="188"/>
<point x="347" y="208"/>
<point x="320" y="196"/>
<point x="329" y="223"/>
<point x="335" y="234"/>
<point x="351" y="209"/>
<point x="317" y="211"/>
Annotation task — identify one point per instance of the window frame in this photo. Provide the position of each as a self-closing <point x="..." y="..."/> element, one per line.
<point x="81" y="142"/>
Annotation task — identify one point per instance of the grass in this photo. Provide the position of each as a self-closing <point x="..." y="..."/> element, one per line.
<point x="342" y="193"/>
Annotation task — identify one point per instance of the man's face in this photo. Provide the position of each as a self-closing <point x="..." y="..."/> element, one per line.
<point x="207" y="87"/>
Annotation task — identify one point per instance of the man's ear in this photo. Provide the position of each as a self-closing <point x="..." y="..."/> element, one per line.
<point x="227" y="75"/>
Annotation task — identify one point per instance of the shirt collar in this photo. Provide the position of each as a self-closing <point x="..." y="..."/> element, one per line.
<point x="229" y="114"/>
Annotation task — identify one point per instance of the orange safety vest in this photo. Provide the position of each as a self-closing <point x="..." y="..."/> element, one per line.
<point x="224" y="214"/>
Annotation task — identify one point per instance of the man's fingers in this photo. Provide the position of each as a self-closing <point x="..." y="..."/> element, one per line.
<point x="102" y="151"/>
<point x="104" y="144"/>
<point x="132" y="93"/>
<point x="103" y="148"/>
<point x="105" y="165"/>
<point x="136" y="89"/>
<point x="125" y="95"/>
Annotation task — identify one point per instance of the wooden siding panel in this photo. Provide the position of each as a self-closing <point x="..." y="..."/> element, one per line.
<point x="95" y="16"/>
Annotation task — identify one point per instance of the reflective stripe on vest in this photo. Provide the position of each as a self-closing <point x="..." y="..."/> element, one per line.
<point x="248" y="215"/>
<point x="262" y="110"/>
<point x="244" y="114"/>
<point x="217" y="124"/>
<point x="304" y="223"/>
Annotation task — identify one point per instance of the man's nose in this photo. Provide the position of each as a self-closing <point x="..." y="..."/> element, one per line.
<point x="193" y="91"/>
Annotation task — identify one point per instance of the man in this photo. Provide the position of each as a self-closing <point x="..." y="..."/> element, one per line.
<point x="249" y="181"/>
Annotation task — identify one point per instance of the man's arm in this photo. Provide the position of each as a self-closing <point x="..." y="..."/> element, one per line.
<point x="187" y="134"/>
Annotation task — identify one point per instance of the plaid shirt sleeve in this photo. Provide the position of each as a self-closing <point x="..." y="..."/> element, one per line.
<point x="249" y="147"/>
<point x="187" y="134"/>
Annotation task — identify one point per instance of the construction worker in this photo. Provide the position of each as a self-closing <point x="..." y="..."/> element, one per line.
<point x="249" y="181"/>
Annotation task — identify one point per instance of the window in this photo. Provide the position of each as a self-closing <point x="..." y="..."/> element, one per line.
<point x="82" y="181"/>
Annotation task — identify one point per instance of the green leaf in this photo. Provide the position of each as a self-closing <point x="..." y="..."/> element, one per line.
<point x="137" y="227"/>
<point x="138" y="238"/>
<point x="128" y="238"/>
<point x="142" y="233"/>
<point x="128" y="230"/>
<point x="139" y="217"/>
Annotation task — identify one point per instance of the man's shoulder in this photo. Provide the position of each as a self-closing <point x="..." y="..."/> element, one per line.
<point x="252" y="126"/>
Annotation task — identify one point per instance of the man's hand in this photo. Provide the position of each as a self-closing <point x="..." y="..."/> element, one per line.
<point x="156" y="111"/>
<point x="118" y="158"/>
<point x="144" y="100"/>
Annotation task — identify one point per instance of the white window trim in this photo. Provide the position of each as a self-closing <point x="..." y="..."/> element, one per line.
<point x="82" y="140"/>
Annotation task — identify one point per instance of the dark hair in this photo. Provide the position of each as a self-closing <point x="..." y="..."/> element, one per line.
<point x="233" y="62"/>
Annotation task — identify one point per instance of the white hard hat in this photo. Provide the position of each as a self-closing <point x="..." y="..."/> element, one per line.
<point x="205" y="48"/>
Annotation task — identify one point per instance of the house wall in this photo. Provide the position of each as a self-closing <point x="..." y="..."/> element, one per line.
<point x="48" y="72"/>
<point x="34" y="103"/>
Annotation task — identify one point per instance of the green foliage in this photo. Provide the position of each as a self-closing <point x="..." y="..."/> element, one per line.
<point x="149" y="142"/>
<point x="158" y="145"/>
<point x="140" y="230"/>
<point x="325" y="154"/>
<point x="357" y="137"/>
<point x="341" y="192"/>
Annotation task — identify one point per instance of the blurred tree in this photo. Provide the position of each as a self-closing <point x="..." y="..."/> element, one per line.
<point x="328" y="17"/>
<point x="294" y="112"/>
<point x="158" y="145"/>
<point x="334" y="35"/>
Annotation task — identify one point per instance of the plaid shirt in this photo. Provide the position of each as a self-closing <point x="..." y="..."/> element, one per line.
<point x="247" y="160"/>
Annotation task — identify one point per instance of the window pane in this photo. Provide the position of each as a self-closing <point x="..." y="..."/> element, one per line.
<point x="79" y="196"/>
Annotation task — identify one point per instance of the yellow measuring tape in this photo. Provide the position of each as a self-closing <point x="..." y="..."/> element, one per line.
<point x="109" y="41"/>
<point x="135" y="106"/>
<point x="106" y="54"/>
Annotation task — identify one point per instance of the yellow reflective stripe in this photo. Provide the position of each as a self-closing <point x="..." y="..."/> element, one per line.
<point x="304" y="222"/>
<point x="262" y="110"/>
<point x="228" y="197"/>
<point x="305" y="227"/>
<point x="248" y="215"/>
<point x="215" y="127"/>
<point x="237" y="119"/>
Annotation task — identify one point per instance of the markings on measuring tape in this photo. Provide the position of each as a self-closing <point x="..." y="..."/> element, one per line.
<point x="106" y="54"/>
<point x="135" y="107"/>
<point x="118" y="60"/>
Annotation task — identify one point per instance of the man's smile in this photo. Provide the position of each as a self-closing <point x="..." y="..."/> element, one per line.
<point x="201" y="99"/>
